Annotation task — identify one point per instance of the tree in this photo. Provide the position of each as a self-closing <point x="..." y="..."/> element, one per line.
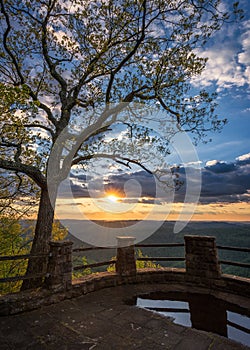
<point x="81" y="261"/>
<point x="14" y="240"/>
<point x="14" y="185"/>
<point x="74" y="57"/>
<point x="16" y="230"/>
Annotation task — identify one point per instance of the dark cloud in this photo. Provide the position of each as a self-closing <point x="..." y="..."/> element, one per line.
<point x="150" y="201"/>
<point x="142" y="201"/>
<point x="79" y="191"/>
<point x="221" y="182"/>
<point x="81" y="177"/>
<point x="226" y="182"/>
<point x="146" y="181"/>
<point x="230" y="186"/>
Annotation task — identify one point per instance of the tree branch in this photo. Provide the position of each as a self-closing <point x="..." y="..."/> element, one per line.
<point x="51" y="65"/>
<point x="117" y="158"/>
<point x="34" y="125"/>
<point x="176" y="114"/>
<point x="32" y="172"/>
<point x="6" y="47"/>
<point x="131" y="54"/>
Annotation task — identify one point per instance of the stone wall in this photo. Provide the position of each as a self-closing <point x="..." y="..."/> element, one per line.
<point x="202" y="271"/>
<point x="174" y="278"/>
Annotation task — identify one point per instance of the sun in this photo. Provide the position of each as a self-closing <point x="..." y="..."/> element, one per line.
<point x="112" y="198"/>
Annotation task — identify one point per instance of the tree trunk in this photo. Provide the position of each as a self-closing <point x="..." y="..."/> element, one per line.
<point x="43" y="233"/>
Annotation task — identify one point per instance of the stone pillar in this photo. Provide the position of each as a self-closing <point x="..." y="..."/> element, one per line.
<point x="125" y="264"/>
<point x="59" y="270"/>
<point x="202" y="265"/>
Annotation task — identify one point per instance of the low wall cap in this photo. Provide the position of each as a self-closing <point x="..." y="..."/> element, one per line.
<point x="199" y="238"/>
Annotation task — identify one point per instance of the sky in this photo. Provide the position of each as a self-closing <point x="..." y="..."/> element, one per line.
<point x="228" y="73"/>
<point x="226" y="160"/>
<point x="223" y="163"/>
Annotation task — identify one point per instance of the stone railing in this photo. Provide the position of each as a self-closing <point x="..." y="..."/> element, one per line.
<point x="202" y="271"/>
<point x="201" y="260"/>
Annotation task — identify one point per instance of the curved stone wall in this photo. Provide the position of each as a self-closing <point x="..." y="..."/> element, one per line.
<point x="227" y="286"/>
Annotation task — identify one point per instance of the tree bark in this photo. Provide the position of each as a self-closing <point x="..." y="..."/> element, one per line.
<point x="43" y="233"/>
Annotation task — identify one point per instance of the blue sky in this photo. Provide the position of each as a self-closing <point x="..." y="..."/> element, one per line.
<point x="228" y="73"/>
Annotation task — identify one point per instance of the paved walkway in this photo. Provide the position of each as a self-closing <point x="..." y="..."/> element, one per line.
<point x="103" y="321"/>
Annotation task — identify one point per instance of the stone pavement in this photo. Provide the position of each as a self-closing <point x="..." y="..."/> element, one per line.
<point x="102" y="320"/>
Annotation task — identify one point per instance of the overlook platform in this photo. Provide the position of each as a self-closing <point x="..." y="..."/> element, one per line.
<point x="103" y="320"/>
<point x="93" y="312"/>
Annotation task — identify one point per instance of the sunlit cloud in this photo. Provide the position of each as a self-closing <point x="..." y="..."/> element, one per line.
<point x="222" y="69"/>
<point x="228" y="64"/>
<point x="244" y="55"/>
<point x="211" y="162"/>
<point x="244" y="157"/>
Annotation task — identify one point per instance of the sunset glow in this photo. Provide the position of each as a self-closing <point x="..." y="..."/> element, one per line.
<point x="122" y="211"/>
<point x="112" y="198"/>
